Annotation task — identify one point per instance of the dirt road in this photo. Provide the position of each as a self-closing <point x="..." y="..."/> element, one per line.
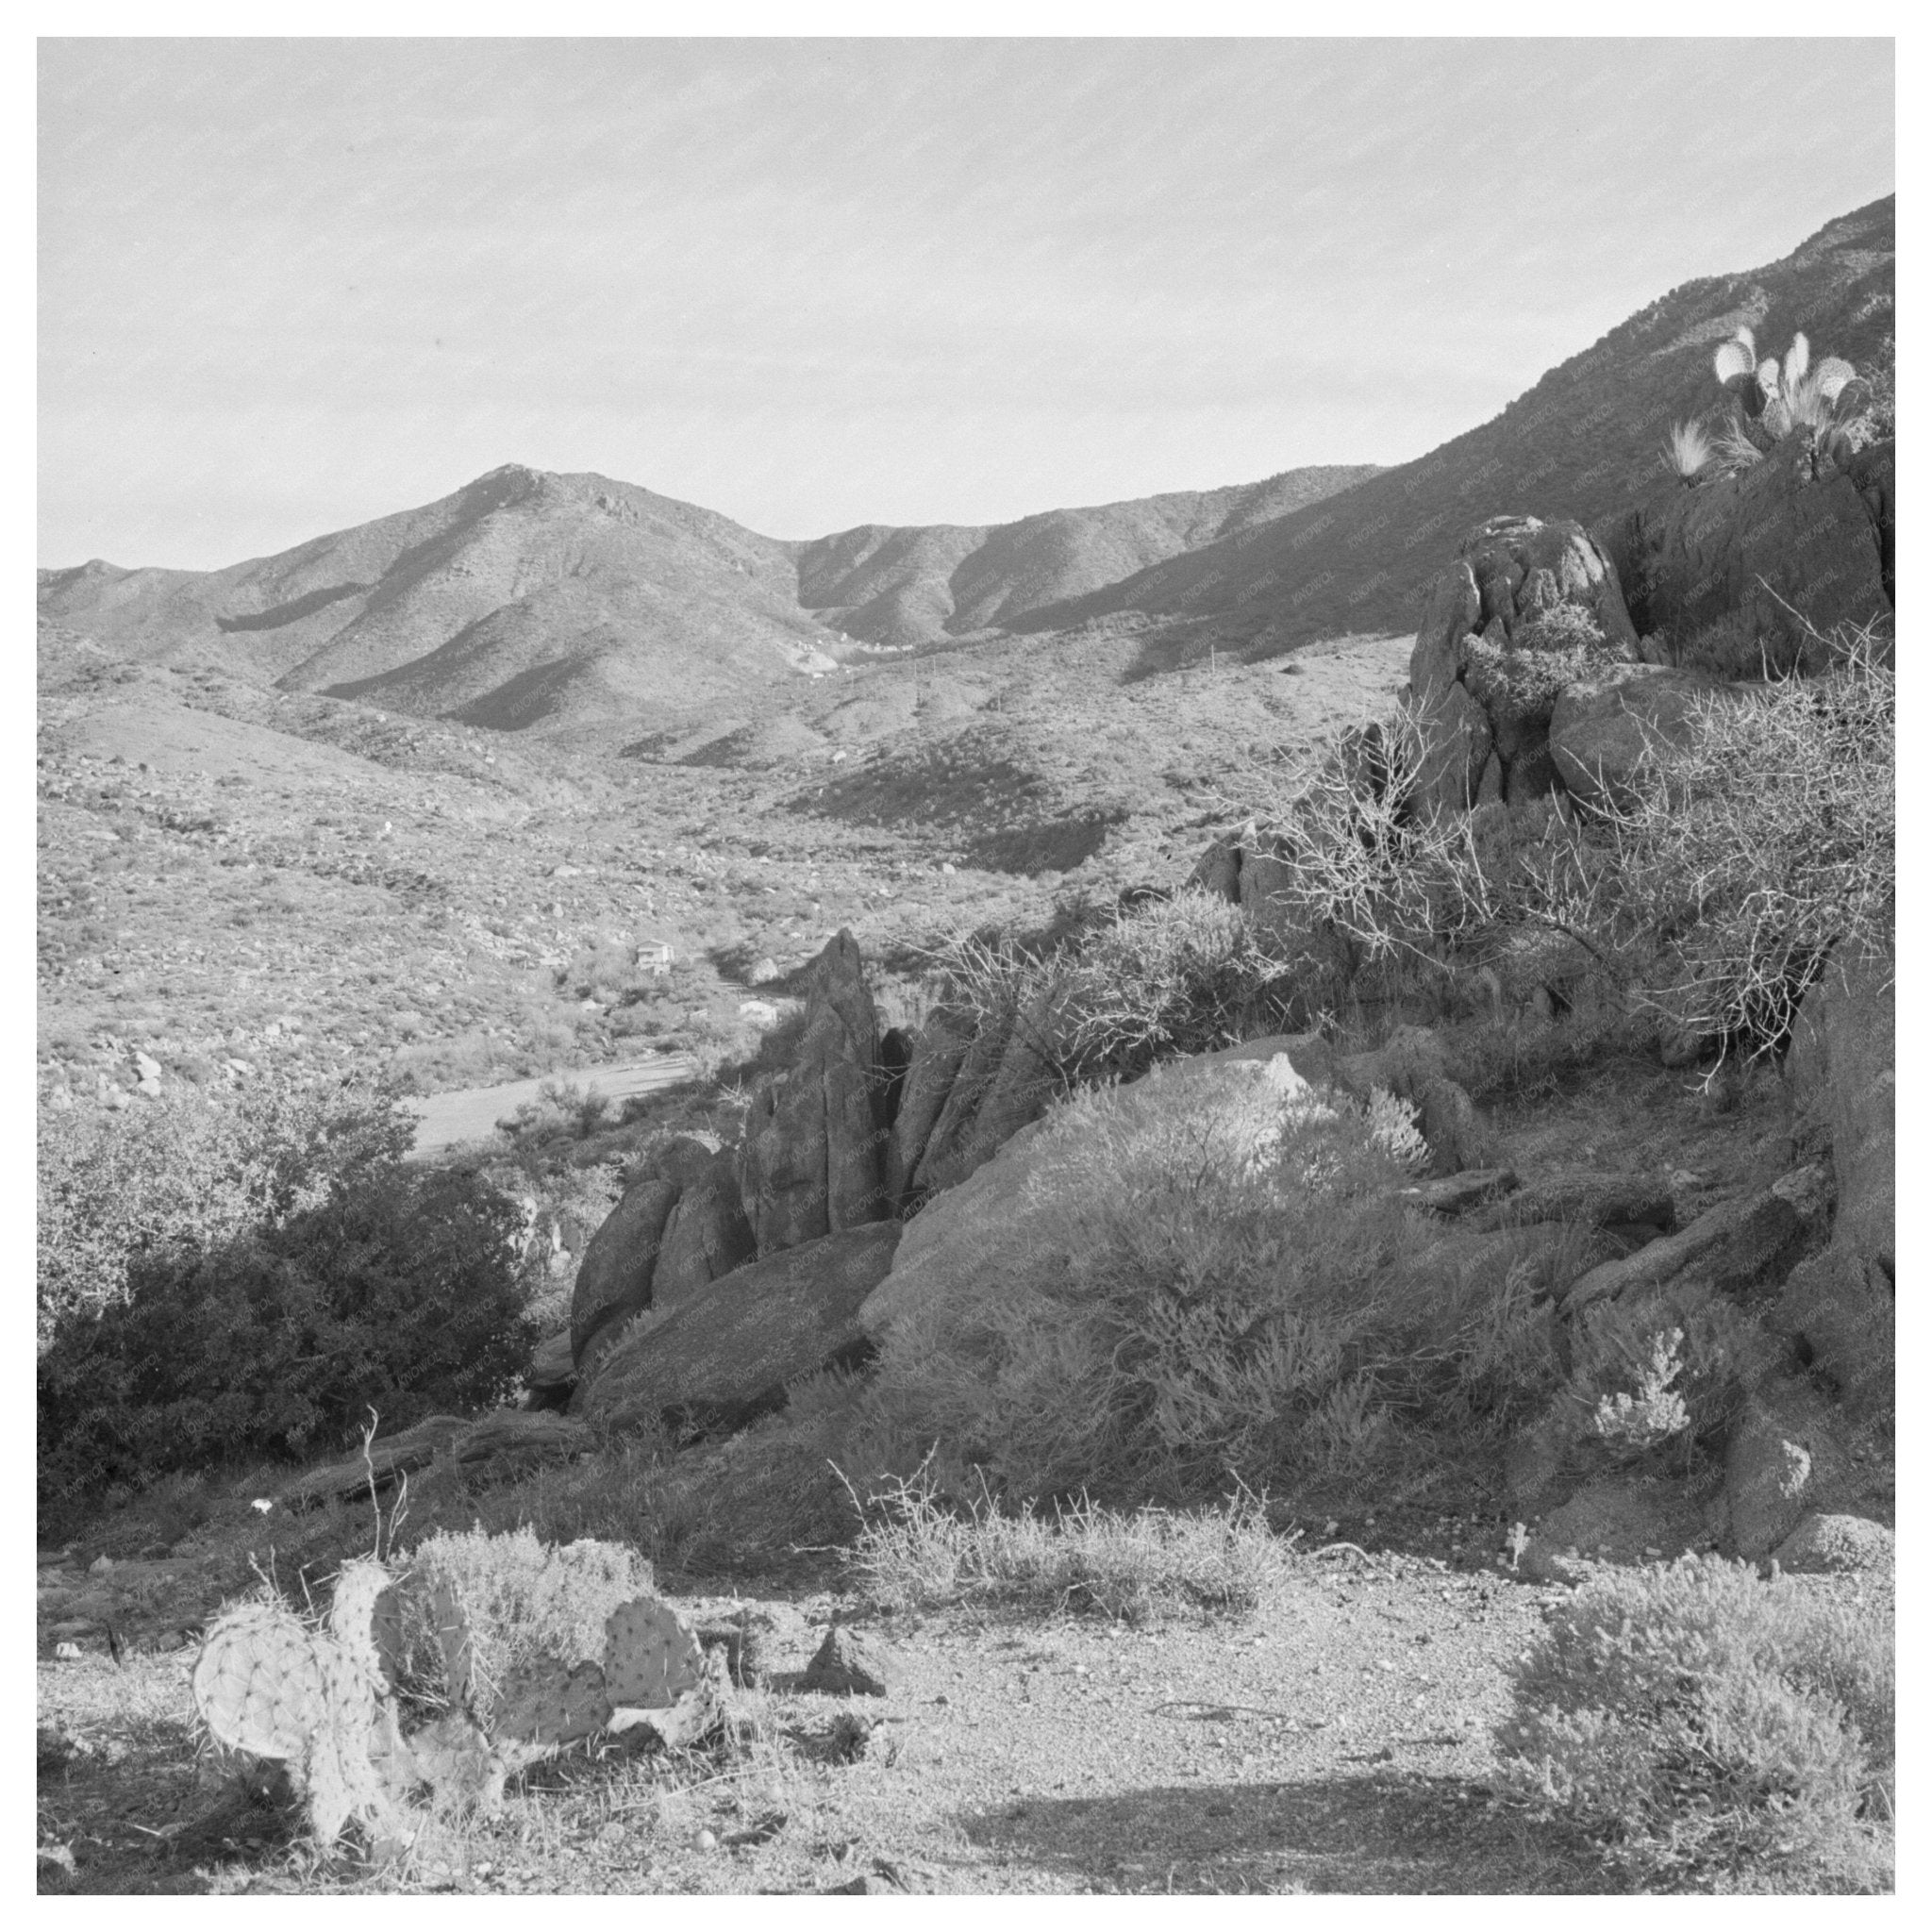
<point x="469" y="1113"/>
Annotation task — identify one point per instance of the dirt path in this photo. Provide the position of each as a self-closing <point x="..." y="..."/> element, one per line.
<point x="470" y="1113"/>
<point x="1339" y="1739"/>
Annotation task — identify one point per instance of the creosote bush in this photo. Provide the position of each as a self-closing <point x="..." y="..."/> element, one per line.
<point x="1710" y="1729"/>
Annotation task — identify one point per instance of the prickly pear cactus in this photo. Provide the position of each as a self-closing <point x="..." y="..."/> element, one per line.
<point x="265" y="1683"/>
<point x="366" y="1617"/>
<point x="259" y="1683"/>
<point x="651" y="1656"/>
<point x="546" y="1704"/>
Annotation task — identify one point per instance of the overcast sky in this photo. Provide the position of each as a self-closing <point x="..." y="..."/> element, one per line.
<point x="287" y="286"/>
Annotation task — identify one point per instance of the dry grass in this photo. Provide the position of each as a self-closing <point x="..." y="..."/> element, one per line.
<point x="916" y="1549"/>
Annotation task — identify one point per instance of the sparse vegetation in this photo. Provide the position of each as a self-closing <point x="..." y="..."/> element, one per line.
<point x="1231" y="1287"/>
<point x="1712" y="1729"/>
<point x="917" y="1549"/>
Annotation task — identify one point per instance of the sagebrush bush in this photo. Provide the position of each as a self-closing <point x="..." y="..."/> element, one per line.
<point x="1708" y="1727"/>
<point x="1214" y="1277"/>
<point x="399" y="1292"/>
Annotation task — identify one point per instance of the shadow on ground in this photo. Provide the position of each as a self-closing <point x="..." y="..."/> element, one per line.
<point x="1373" y="1833"/>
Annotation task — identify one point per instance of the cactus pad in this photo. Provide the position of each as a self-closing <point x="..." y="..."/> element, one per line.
<point x="365" y="1618"/>
<point x="259" y="1683"/>
<point x="652" y="1657"/>
<point x="545" y="1704"/>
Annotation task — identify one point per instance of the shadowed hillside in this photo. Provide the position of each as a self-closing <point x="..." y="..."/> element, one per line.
<point x="1581" y="443"/>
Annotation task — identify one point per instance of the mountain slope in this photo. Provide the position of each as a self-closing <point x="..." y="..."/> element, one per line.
<point x="1583" y="442"/>
<point x="918" y="584"/>
<point x="528" y="599"/>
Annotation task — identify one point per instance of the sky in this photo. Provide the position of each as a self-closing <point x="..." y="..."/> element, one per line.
<point x="288" y="286"/>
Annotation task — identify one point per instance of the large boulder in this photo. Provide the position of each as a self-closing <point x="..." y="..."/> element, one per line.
<point x="1605" y="728"/>
<point x="707" y="1234"/>
<point x="614" y="1277"/>
<point x="1842" y="1068"/>
<point x="1453" y="611"/>
<point x="1017" y="1200"/>
<point x="721" y="1357"/>
<point x="1456" y="743"/>
<point x="1005" y="1078"/>
<point x="1522" y="567"/>
<point x="1772" y="548"/>
<point x="813" y="1158"/>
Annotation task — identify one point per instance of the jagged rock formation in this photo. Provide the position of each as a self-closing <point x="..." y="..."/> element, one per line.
<point x="1493" y="657"/>
<point x="814" y="1153"/>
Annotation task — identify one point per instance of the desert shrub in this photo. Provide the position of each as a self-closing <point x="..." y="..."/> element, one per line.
<point x="1173" y="977"/>
<point x="1762" y="845"/>
<point x="1709" y="1727"/>
<point x="195" y="1169"/>
<point x="398" y="1292"/>
<point x="1223" y="1280"/>
<point x="1752" y="849"/>
<point x="1559" y="627"/>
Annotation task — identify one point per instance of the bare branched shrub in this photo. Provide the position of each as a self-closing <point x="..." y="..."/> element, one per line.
<point x="1179" y="975"/>
<point x="1764" y="843"/>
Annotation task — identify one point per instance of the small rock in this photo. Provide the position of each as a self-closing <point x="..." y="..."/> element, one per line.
<point x="851" y="1664"/>
<point x="764" y="972"/>
<point x="705" y="1842"/>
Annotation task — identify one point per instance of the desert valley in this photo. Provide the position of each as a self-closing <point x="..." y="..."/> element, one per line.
<point x="1170" y="1156"/>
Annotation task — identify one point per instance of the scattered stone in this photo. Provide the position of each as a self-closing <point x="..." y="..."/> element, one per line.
<point x="851" y="1664"/>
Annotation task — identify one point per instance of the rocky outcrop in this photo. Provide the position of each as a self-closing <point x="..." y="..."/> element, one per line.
<point x="614" y="1277"/>
<point x="813" y="1158"/>
<point x="1839" y="1306"/>
<point x="936" y="1055"/>
<point x="1783" y="544"/>
<point x="707" y="1234"/>
<point x="968" y="1092"/>
<point x="721" y="1357"/>
<point x="1525" y="608"/>
<point x="1738" y="1246"/>
<point x="1606" y="727"/>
